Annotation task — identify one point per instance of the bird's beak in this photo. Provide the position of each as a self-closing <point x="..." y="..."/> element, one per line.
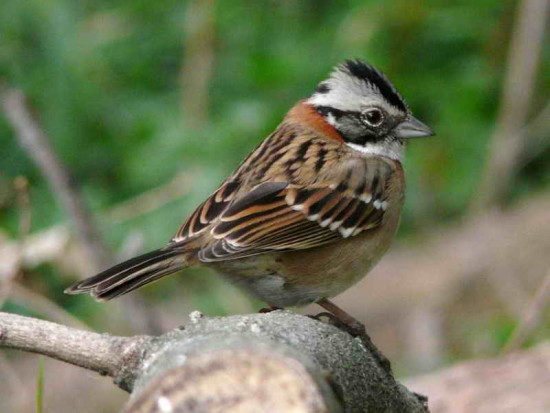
<point x="412" y="128"/>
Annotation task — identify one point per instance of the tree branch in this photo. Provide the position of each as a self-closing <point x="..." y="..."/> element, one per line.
<point x="97" y="352"/>
<point x="224" y="362"/>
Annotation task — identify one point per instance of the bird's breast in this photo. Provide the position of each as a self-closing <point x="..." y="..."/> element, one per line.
<point x="301" y="277"/>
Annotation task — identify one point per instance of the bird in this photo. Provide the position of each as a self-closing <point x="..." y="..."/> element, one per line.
<point x="309" y="212"/>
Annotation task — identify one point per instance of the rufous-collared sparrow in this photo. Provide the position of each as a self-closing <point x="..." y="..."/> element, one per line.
<point x="309" y="212"/>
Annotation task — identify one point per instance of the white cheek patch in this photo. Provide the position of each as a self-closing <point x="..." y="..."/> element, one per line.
<point x="331" y="119"/>
<point x="392" y="150"/>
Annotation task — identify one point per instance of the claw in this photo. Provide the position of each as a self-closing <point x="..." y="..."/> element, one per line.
<point x="269" y="309"/>
<point x="330" y="317"/>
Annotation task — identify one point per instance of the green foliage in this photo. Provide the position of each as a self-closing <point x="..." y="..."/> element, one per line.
<point x="40" y="386"/>
<point x="105" y="78"/>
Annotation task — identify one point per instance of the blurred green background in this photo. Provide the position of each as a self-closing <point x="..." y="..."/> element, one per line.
<point x="133" y="93"/>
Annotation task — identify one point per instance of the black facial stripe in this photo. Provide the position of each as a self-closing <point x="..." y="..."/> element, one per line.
<point x="366" y="138"/>
<point x="326" y="110"/>
<point x="370" y="74"/>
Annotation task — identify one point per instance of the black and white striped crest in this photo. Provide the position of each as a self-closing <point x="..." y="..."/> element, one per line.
<point x="355" y="84"/>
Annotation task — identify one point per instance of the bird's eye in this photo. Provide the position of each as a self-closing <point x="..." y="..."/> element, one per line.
<point x="373" y="117"/>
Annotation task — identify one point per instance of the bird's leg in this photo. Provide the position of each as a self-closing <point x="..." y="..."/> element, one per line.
<point x="269" y="309"/>
<point x="351" y="325"/>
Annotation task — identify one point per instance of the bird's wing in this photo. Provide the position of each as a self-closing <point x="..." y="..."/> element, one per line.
<point x="279" y="216"/>
<point x="208" y="212"/>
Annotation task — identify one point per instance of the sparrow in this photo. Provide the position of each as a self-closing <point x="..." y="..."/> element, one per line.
<point x="309" y="212"/>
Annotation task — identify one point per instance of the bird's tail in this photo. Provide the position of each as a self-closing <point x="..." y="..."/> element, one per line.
<point x="132" y="274"/>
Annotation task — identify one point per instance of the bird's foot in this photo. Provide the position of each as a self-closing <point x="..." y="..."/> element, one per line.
<point x="269" y="309"/>
<point x="344" y="321"/>
<point x="354" y="329"/>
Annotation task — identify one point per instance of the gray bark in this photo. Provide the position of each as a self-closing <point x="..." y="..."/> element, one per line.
<point x="272" y="362"/>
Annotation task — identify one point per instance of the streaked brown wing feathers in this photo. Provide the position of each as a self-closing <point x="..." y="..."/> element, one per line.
<point x="208" y="211"/>
<point x="285" y="217"/>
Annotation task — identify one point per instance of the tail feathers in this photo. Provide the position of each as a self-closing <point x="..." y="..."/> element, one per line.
<point x="131" y="274"/>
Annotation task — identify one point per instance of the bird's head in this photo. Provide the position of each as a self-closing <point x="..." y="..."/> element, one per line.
<point x="366" y="109"/>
